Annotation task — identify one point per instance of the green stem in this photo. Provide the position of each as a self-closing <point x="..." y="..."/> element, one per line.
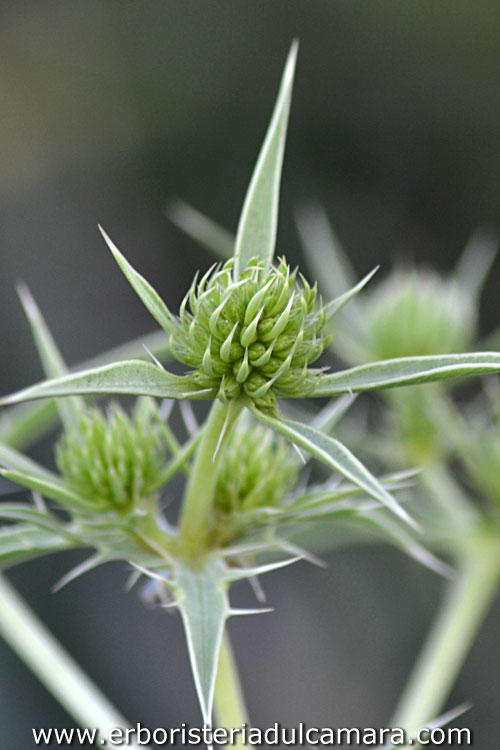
<point x="53" y="666"/>
<point x="199" y="494"/>
<point x="453" y="632"/>
<point x="228" y="698"/>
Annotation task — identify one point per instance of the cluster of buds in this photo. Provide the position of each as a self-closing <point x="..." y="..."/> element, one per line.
<point x="419" y="313"/>
<point x="114" y="461"/>
<point x="256" y="335"/>
<point x="257" y="470"/>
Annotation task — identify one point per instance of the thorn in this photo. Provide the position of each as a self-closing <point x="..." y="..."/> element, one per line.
<point x="132" y="580"/>
<point x="170" y="605"/>
<point x="166" y="408"/>
<point x="221" y="437"/>
<point x="301" y="455"/>
<point x="150" y="573"/>
<point x="188" y="417"/>
<point x="293" y="549"/>
<point x="85" y="567"/>
<point x="38" y="501"/>
<point x="238" y="573"/>
<point x="154" y="359"/>
<point x="257" y="589"/>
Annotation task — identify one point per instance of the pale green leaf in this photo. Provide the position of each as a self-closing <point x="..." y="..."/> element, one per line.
<point x="134" y="377"/>
<point x="391" y="373"/>
<point x="256" y="235"/>
<point x="143" y="288"/>
<point x="205" y="231"/>
<point x="24" y="542"/>
<point x="336" y="456"/>
<point x="201" y="595"/>
<point x="70" y="409"/>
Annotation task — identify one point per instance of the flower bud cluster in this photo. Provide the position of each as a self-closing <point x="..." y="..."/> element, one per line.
<point x="114" y="461"/>
<point x="256" y="335"/>
<point x="257" y="470"/>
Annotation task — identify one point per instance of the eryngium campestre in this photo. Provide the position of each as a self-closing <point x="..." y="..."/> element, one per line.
<point x="255" y="336"/>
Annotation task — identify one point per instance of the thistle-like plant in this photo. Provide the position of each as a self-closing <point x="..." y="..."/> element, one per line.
<point x="249" y="333"/>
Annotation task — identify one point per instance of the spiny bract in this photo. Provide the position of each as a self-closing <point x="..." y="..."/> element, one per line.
<point x="255" y="335"/>
<point x="114" y="460"/>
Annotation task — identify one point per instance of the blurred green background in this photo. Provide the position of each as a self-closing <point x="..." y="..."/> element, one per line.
<point x="110" y="109"/>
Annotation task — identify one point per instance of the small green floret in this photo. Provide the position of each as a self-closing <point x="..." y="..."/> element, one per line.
<point x="255" y="336"/>
<point x="114" y="460"/>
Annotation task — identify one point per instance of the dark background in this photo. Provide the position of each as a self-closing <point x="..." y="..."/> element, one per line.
<point x="111" y="108"/>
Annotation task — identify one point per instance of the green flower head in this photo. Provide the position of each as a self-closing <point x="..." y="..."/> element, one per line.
<point x="255" y="336"/>
<point x="114" y="461"/>
<point x="257" y="469"/>
<point x="256" y="472"/>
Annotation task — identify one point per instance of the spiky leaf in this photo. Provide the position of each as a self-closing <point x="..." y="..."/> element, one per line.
<point x="335" y="455"/>
<point x="133" y="377"/>
<point x="23" y="425"/>
<point x="201" y="595"/>
<point x="256" y="235"/>
<point x="391" y="373"/>
<point x="147" y="294"/>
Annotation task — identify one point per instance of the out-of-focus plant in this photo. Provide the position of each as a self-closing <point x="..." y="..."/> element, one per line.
<point x="415" y="310"/>
<point x="249" y="331"/>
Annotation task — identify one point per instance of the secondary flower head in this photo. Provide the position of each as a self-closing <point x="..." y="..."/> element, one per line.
<point x="419" y="313"/>
<point x="255" y="336"/>
<point x="257" y="469"/>
<point x="114" y="461"/>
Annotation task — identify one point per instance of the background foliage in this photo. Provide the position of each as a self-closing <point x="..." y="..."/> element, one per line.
<point x="111" y="108"/>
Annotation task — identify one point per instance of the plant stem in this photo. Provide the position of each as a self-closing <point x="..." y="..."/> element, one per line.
<point x="53" y="666"/>
<point x="199" y="494"/>
<point x="453" y="632"/>
<point x="229" y="702"/>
